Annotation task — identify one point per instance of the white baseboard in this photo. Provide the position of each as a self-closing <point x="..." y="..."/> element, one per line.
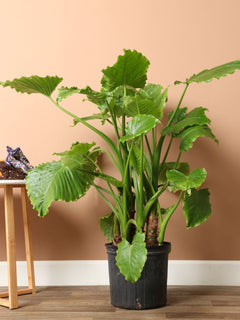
<point x="95" y="272"/>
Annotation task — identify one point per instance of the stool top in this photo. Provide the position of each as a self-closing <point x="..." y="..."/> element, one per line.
<point x="13" y="182"/>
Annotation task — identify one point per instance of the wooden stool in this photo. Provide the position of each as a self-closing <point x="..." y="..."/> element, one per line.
<point x="13" y="292"/>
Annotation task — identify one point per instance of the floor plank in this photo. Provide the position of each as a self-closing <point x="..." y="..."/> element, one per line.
<point x="93" y="303"/>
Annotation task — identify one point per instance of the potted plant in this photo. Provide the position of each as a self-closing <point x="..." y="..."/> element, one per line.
<point x="136" y="224"/>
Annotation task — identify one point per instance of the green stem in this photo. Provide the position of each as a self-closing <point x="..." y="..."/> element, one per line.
<point x="111" y="157"/>
<point x="155" y="163"/>
<point x="101" y="134"/>
<point x="154" y="139"/>
<point x="156" y="157"/>
<point x="179" y="103"/>
<point x="128" y="228"/>
<point x="105" y="199"/>
<point x="151" y="201"/>
<point x="114" y="123"/>
<point x="148" y="146"/>
<point x="166" y="154"/>
<point x="126" y="174"/>
<point x="166" y="219"/>
<point x="178" y="158"/>
<point x="127" y="162"/>
<point x="125" y="187"/>
<point x="116" y="212"/>
<point x="139" y="217"/>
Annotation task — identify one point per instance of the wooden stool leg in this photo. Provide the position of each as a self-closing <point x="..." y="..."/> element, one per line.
<point x="11" y="247"/>
<point x="28" y="241"/>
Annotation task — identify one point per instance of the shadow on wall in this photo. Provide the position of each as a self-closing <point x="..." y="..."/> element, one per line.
<point x="52" y="236"/>
<point x="218" y="237"/>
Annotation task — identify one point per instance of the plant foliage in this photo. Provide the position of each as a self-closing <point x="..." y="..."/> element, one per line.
<point x="139" y="151"/>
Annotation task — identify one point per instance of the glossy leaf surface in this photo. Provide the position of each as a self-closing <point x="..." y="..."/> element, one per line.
<point x="61" y="180"/>
<point x="181" y="167"/>
<point x="137" y="105"/>
<point x="189" y="135"/>
<point x="154" y="92"/>
<point x="140" y="124"/>
<point x="183" y="182"/>
<point x="195" y="117"/>
<point x="196" y="207"/>
<point x="135" y="159"/>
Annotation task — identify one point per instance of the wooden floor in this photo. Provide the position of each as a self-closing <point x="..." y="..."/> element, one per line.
<point x="90" y="303"/>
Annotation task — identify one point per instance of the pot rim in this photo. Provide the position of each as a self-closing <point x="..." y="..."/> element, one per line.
<point x="162" y="248"/>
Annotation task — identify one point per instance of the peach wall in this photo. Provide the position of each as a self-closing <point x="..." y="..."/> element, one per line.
<point x="75" y="39"/>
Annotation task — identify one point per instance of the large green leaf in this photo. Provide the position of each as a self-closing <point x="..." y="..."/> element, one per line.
<point x="195" y="117"/>
<point x="106" y="224"/>
<point x="79" y="157"/>
<point x="196" y="207"/>
<point x="137" y="105"/>
<point x="154" y="92"/>
<point x="135" y="159"/>
<point x="217" y="72"/>
<point x="180" y="181"/>
<point x="53" y="181"/>
<point x="181" y="167"/>
<point x="34" y="84"/>
<point x="132" y="257"/>
<point x="140" y="124"/>
<point x="61" y="180"/>
<point x="129" y="70"/>
<point x="189" y="135"/>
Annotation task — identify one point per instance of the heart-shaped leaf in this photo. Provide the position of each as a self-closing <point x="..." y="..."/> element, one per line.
<point x="196" y="207"/>
<point x="140" y="124"/>
<point x="34" y="84"/>
<point x="132" y="257"/>
<point x="106" y="224"/>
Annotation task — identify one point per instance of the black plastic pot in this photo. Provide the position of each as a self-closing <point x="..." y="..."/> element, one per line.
<point x="150" y="291"/>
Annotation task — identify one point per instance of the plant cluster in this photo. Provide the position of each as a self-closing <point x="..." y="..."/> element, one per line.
<point x="135" y="110"/>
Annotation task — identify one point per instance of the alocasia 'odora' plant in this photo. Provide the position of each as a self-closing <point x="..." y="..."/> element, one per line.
<point x="135" y="110"/>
